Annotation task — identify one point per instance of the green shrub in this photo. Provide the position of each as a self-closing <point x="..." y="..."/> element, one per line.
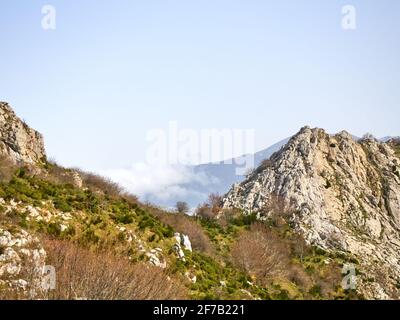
<point x="282" y="295"/>
<point x="90" y="236"/>
<point x="62" y="204"/>
<point x="245" y="220"/>
<point x="125" y="218"/>
<point x="53" y="229"/>
<point x="315" y="291"/>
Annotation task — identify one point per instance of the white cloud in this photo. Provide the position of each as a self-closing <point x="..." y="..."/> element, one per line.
<point x="163" y="182"/>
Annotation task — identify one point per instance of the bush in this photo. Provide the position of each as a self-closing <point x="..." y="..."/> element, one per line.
<point x="315" y="291"/>
<point x="99" y="275"/>
<point x="205" y="212"/>
<point x="124" y="218"/>
<point x="244" y="219"/>
<point x="261" y="253"/>
<point x="62" y="204"/>
<point x="211" y="208"/>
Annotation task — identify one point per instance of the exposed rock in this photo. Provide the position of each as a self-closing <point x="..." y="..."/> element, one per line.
<point x="17" y="140"/>
<point x="191" y="277"/>
<point x="156" y="258"/>
<point x="182" y="240"/>
<point x="22" y="260"/>
<point x="48" y="214"/>
<point x="77" y="179"/>
<point x="186" y="242"/>
<point x="344" y="195"/>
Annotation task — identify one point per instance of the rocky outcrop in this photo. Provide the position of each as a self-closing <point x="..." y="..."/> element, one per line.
<point x="182" y="243"/>
<point x="22" y="261"/>
<point x="18" y="141"/>
<point x="343" y="195"/>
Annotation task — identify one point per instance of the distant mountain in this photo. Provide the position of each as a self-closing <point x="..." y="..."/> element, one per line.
<point x="225" y="174"/>
<point x="388" y="138"/>
<point x="213" y="178"/>
<point x="204" y="179"/>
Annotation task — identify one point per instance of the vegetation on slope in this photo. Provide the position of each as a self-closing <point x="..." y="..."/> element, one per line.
<point x="234" y="256"/>
<point x="395" y="144"/>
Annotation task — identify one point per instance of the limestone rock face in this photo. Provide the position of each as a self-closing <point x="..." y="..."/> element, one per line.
<point x="17" y="140"/>
<point x="22" y="260"/>
<point x="344" y="195"/>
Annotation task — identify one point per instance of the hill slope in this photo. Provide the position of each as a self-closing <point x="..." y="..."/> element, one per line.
<point x="104" y="244"/>
<point x="345" y="196"/>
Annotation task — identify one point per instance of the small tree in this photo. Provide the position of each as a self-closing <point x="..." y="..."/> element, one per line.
<point x="215" y="202"/>
<point x="182" y="207"/>
<point x="210" y="209"/>
<point x="261" y="253"/>
<point x="205" y="212"/>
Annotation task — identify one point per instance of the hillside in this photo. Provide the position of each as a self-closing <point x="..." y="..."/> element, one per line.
<point x="343" y="196"/>
<point x="104" y="244"/>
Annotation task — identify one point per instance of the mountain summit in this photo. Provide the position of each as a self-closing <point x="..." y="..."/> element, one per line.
<point x="344" y="195"/>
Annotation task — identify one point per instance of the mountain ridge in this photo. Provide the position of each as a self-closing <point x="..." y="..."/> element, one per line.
<point x="345" y="196"/>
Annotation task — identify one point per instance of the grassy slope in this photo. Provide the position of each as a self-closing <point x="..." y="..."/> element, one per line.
<point x="96" y="221"/>
<point x="99" y="220"/>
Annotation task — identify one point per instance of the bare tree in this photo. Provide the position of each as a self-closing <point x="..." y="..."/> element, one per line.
<point x="215" y="202"/>
<point x="210" y="209"/>
<point x="205" y="212"/>
<point x="261" y="253"/>
<point x="182" y="207"/>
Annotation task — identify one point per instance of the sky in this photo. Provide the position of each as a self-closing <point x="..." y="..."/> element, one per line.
<point x="112" y="71"/>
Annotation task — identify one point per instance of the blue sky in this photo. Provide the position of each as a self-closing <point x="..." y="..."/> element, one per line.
<point x="112" y="70"/>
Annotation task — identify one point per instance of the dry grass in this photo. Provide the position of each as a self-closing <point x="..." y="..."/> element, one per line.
<point x="85" y="274"/>
<point x="58" y="174"/>
<point x="94" y="182"/>
<point x="205" y="212"/>
<point x="98" y="183"/>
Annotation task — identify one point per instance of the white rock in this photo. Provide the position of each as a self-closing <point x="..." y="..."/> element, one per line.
<point x="343" y="195"/>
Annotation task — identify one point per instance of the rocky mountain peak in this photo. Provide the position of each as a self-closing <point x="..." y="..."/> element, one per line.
<point x="18" y="141"/>
<point x="343" y="195"/>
